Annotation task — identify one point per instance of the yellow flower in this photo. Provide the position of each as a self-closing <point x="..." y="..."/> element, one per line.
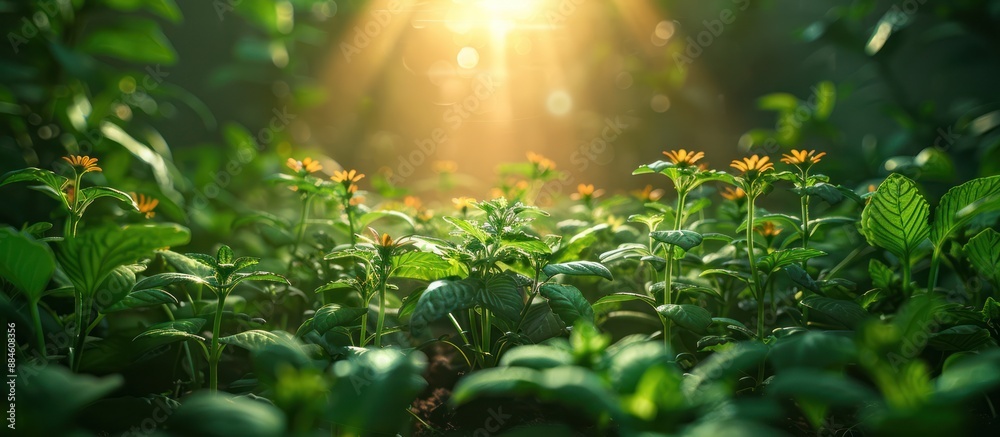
<point x="648" y="194"/>
<point x="768" y="229"/>
<point x="146" y="204"/>
<point x="445" y="166"/>
<point x="733" y="193"/>
<point x="83" y="164"/>
<point x="799" y="157"/>
<point x="310" y="165"/>
<point x="541" y="162"/>
<point x="349" y="176"/>
<point x="753" y="164"/>
<point x="352" y="188"/>
<point x="683" y="158"/>
<point x="463" y="203"/>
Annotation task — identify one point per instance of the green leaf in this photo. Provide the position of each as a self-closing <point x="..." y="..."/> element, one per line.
<point x="842" y="313"/>
<point x="682" y="238"/>
<point x="373" y="390"/>
<point x="691" y="317"/>
<point x="814" y="350"/>
<point x="141" y="298"/>
<point x="536" y="356"/>
<point x="983" y="251"/>
<point x="815" y="387"/>
<point x="773" y="261"/>
<point x="778" y="102"/>
<point x="962" y="338"/>
<point x="626" y="367"/>
<point x="161" y="280"/>
<point x="333" y="315"/>
<point x="252" y="340"/>
<point x="578" y="268"/>
<point x="881" y="274"/>
<point x="340" y="284"/>
<point x="209" y="414"/>
<point x="186" y="264"/>
<point x="496" y="382"/>
<point x="260" y="276"/>
<point x="135" y="40"/>
<point x="468" y="228"/>
<point x="90" y="194"/>
<point x="501" y="294"/>
<point x="370" y="217"/>
<point x="731" y="273"/>
<point x="25" y="262"/>
<point x="612" y="301"/>
<point x="420" y="265"/>
<point x="443" y="297"/>
<point x="962" y="203"/>
<point x="527" y="243"/>
<point x="799" y="276"/>
<point x="174" y="330"/>
<point x="164" y="8"/>
<point x="568" y="303"/>
<point x="52" y="182"/>
<point x="896" y="216"/>
<point x="90" y="257"/>
<point x="786" y="221"/>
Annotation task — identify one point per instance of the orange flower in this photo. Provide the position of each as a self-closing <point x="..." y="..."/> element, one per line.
<point x="541" y="162"/>
<point x="82" y="164"/>
<point x="349" y="176"/>
<point x="800" y="157"/>
<point x="768" y="229"/>
<point x="753" y="164"/>
<point x="445" y="166"/>
<point x="412" y="202"/>
<point x="733" y="193"/>
<point x="310" y="165"/>
<point x="683" y="158"/>
<point x="463" y="203"/>
<point x="586" y="191"/>
<point x="357" y="200"/>
<point x="146" y="204"/>
<point x="648" y="194"/>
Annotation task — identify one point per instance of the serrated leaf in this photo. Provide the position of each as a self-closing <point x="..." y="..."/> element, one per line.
<point x="568" y="303"/>
<point x="881" y="274"/>
<point x="260" y="276"/>
<point x="578" y="268"/>
<point x="983" y="252"/>
<point x="961" y="338"/>
<point x="161" y="280"/>
<point x="896" y="216"/>
<point x="420" y="265"/>
<point x="174" y="330"/>
<point x="982" y="195"/>
<point x="681" y="238"/>
<point x="773" y="261"/>
<point x="691" y="317"/>
<point x="468" y="228"/>
<point x="141" y="298"/>
<point x="443" y="297"/>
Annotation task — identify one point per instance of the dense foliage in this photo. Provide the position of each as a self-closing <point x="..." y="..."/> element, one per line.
<point x="685" y="308"/>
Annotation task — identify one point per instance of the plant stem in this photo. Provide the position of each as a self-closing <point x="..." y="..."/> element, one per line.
<point x="39" y="335"/>
<point x="906" y="276"/>
<point x="805" y="226"/>
<point x="669" y="257"/>
<point x="381" y="315"/>
<point x="933" y="273"/>
<point x="301" y="228"/>
<point x="82" y="314"/>
<point x="213" y="365"/>
<point x="350" y="223"/>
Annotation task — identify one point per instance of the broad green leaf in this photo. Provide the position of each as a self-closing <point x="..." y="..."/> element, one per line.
<point x="723" y="367"/>
<point x="881" y="274"/>
<point x="443" y="297"/>
<point x="25" y="262"/>
<point x="174" y="330"/>
<point x="527" y="243"/>
<point x="185" y="264"/>
<point x="50" y="399"/>
<point x="420" y="265"/>
<point x="578" y="268"/>
<point x="253" y="340"/>
<point x="816" y="390"/>
<point x="799" y="276"/>
<point x="333" y="315"/>
<point x="979" y="195"/>
<point x="682" y="238"/>
<point x="773" y="261"/>
<point x="627" y="365"/>
<point x="568" y="303"/>
<point x="165" y="8"/>
<point x="370" y="217"/>
<point x="52" y="182"/>
<point x="841" y="313"/>
<point x="502" y="295"/>
<point x="340" y="284"/>
<point x="208" y="414"/>
<point x="496" y="382"/>
<point x="90" y="194"/>
<point x="468" y="228"/>
<point x="814" y="350"/>
<point x="571" y="249"/>
<point x="161" y="280"/>
<point x="962" y="338"/>
<point x="691" y="317"/>
<point x="260" y="276"/>
<point x="141" y="298"/>
<point x="536" y="356"/>
<point x="896" y="216"/>
<point x="90" y="257"/>
<point x="613" y="301"/>
<point x="983" y="251"/>
<point x="135" y="40"/>
<point x="373" y="390"/>
<point x="974" y="376"/>
<point x="731" y="273"/>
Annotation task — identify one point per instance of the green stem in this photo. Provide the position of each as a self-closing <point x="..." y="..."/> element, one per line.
<point x="932" y="275"/>
<point x="301" y="228"/>
<point x="350" y="223"/>
<point x="381" y="315"/>
<point x="461" y="332"/>
<point x="669" y="257"/>
<point x="39" y="335"/>
<point x="82" y="314"/>
<point x="216" y="354"/>
<point x="906" y="276"/>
